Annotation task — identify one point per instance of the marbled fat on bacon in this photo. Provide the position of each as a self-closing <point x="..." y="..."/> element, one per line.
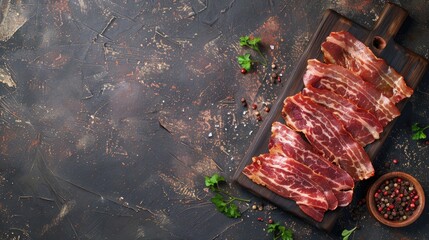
<point x="362" y="125"/>
<point x="303" y="171"/>
<point x="280" y="175"/>
<point x="327" y="135"/>
<point x="285" y="141"/>
<point x="344" y="49"/>
<point x="350" y="86"/>
<point x="299" y="169"/>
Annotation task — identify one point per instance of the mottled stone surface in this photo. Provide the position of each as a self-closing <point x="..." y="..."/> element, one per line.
<point x="112" y="113"/>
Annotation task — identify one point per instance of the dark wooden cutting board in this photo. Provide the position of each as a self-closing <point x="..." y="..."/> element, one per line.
<point x="380" y="40"/>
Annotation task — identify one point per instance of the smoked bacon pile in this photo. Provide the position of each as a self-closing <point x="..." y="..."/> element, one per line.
<point x="344" y="106"/>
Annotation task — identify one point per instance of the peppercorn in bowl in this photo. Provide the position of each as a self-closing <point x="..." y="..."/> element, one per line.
<point x="396" y="199"/>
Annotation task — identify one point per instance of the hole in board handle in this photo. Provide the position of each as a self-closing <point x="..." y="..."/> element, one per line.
<point x="379" y="43"/>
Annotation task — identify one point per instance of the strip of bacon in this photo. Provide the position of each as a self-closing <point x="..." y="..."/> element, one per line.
<point x="327" y="135"/>
<point x="350" y="86"/>
<point x="362" y="125"/>
<point x="344" y="49"/>
<point x="285" y="141"/>
<point x="279" y="174"/>
<point x="302" y="171"/>
<point x="316" y="213"/>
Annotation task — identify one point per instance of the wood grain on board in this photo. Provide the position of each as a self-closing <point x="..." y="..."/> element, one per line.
<point x="381" y="42"/>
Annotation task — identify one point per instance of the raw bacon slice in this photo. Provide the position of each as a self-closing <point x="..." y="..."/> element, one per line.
<point x="344" y="49"/>
<point x="290" y="165"/>
<point x="362" y="125"/>
<point x="327" y="135"/>
<point x="303" y="171"/>
<point x="316" y="213"/>
<point x="278" y="174"/>
<point x="285" y="141"/>
<point x="348" y="85"/>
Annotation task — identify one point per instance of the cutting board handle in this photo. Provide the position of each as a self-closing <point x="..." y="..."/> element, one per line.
<point x="388" y="24"/>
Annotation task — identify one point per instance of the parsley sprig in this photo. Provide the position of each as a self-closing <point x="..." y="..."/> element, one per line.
<point x="418" y="132"/>
<point x="250" y="42"/>
<point x="280" y="232"/>
<point x="223" y="201"/>
<point x="346" y="233"/>
<point x="253" y="43"/>
<point x="245" y="61"/>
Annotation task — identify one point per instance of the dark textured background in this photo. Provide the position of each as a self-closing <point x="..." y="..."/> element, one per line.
<point x="112" y="113"/>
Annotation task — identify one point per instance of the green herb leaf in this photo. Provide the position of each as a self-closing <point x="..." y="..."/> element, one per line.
<point x="415" y="127"/>
<point x="213" y="181"/>
<point x="223" y="201"/>
<point x="346" y="233"/>
<point x="280" y="232"/>
<point x="228" y="208"/>
<point x="273" y="227"/>
<point x="418" y="132"/>
<point x="253" y="43"/>
<point x="232" y="211"/>
<point x="245" y="61"/>
<point x="244" y="41"/>
<point x="419" y="135"/>
<point x="219" y="202"/>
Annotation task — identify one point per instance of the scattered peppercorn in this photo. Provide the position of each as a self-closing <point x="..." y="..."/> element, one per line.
<point x="396" y="199"/>
<point x="260" y="219"/>
<point x="270" y="221"/>
<point x="254" y="106"/>
<point x="279" y="79"/>
<point x="243" y="71"/>
<point x="266" y="109"/>
<point x="243" y="102"/>
<point x="395" y="161"/>
<point x="259" y="118"/>
<point x="274" y="75"/>
<point x="273" y="66"/>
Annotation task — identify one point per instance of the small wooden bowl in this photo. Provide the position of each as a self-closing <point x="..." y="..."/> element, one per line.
<point x="373" y="208"/>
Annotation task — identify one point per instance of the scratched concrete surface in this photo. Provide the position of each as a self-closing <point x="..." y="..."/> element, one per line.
<point x="112" y="113"/>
